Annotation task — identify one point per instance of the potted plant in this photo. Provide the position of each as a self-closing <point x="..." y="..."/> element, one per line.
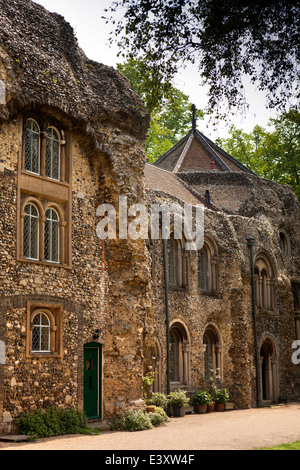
<point x="177" y="400"/>
<point x="201" y="399"/>
<point x="222" y="397"/>
<point x="148" y="380"/>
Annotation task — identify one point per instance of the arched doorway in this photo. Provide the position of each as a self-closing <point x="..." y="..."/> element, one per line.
<point x="179" y="354"/>
<point x="268" y="371"/>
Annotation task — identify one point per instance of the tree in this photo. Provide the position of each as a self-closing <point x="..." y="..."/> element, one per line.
<point x="169" y="108"/>
<point x="227" y="39"/>
<point x="274" y="155"/>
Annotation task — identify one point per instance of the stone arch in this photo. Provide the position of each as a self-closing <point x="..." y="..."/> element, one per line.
<point x="179" y="353"/>
<point x="213" y="351"/>
<point x="268" y="370"/>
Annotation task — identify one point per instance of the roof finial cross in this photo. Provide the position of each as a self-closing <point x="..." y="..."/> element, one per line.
<point x="194" y="117"/>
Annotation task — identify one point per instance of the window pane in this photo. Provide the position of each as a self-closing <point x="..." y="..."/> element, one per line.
<point x="51" y="251"/>
<point x="52" y="154"/>
<point x="30" y="232"/>
<point x="40" y="333"/>
<point x="172" y="262"/>
<point x="32" y="146"/>
<point x="202" y="269"/>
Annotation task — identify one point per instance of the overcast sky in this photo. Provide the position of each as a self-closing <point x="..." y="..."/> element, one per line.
<point x="93" y="34"/>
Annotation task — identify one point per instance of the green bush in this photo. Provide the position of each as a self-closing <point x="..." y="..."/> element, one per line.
<point x="178" y="398"/>
<point x="222" y="396"/>
<point x="135" y="420"/>
<point x="52" y="422"/>
<point x="158" y="399"/>
<point x="158" y="417"/>
<point x="201" y="397"/>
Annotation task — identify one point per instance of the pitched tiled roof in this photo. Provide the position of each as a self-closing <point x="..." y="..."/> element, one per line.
<point x="166" y="182"/>
<point x="195" y="152"/>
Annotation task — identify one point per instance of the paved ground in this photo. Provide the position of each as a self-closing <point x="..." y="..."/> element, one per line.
<point x="230" y="430"/>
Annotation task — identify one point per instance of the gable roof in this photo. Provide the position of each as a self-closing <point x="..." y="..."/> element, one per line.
<point x="195" y="152"/>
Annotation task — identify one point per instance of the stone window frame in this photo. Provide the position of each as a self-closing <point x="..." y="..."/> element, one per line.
<point x="45" y="123"/>
<point x="210" y="250"/>
<point x="179" y="329"/>
<point x="180" y="266"/>
<point x="42" y="207"/>
<point x="213" y="358"/>
<point x="284" y="244"/>
<point x="54" y="313"/>
<point x="265" y="279"/>
<point x="46" y="191"/>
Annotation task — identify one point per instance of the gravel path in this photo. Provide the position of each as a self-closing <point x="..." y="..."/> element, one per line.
<point x="231" y="430"/>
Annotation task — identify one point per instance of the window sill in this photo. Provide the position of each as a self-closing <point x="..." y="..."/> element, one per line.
<point x="208" y="293"/>
<point x="44" y="355"/>
<point x="44" y="178"/>
<point x="184" y="290"/>
<point x="44" y="263"/>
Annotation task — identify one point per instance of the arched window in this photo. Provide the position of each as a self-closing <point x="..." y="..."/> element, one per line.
<point x="51" y="244"/>
<point x="52" y="153"/>
<point x="32" y="146"/>
<point x="212" y="354"/>
<point x="177" y="263"/>
<point x="179" y="354"/>
<point x="31" y="232"/>
<point x="264" y="282"/>
<point x="41" y="333"/>
<point x="172" y="262"/>
<point x="208" y="267"/>
<point x="203" y="274"/>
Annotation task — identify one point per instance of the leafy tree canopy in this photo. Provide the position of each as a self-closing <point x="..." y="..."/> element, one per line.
<point x="273" y="154"/>
<point x="169" y="108"/>
<point x="227" y="39"/>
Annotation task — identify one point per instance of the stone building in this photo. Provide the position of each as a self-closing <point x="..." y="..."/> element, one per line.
<point x="72" y="135"/>
<point x="82" y="319"/>
<point x="233" y="304"/>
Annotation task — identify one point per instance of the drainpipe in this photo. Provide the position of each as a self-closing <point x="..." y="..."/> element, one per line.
<point x="250" y="245"/>
<point x="167" y="312"/>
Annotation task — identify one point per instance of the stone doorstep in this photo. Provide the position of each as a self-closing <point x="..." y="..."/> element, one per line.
<point x="13" y="437"/>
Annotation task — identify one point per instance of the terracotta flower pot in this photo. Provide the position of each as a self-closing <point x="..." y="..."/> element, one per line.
<point x="210" y="408"/>
<point x="220" y="406"/>
<point x="150" y="409"/>
<point x="201" y="408"/>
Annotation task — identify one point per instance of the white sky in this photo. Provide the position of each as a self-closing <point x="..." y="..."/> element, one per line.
<point x="93" y="33"/>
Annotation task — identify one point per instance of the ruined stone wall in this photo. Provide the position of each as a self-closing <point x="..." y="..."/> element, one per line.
<point x="230" y="311"/>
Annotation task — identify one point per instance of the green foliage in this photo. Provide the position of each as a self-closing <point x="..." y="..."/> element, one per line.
<point x="227" y="40"/>
<point x="158" y="417"/>
<point x="178" y="398"/>
<point x="158" y="399"/>
<point x="201" y="397"/>
<point x="135" y="420"/>
<point x="169" y="108"/>
<point x="52" y="422"/>
<point x="222" y="396"/>
<point x="273" y="154"/>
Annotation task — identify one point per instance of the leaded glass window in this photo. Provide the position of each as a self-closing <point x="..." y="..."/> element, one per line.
<point x="32" y="146"/>
<point x="31" y="232"/>
<point x="172" y="261"/>
<point x="41" y="333"/>
<point x="203" y="269"/>
<point x="51" y="245"/>
<point x="52" y="153"/>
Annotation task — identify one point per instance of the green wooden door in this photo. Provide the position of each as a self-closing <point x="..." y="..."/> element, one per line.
<point x="92" y="381"/>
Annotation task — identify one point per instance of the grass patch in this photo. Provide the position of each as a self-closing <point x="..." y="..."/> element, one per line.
<point x="289" y="446"/>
